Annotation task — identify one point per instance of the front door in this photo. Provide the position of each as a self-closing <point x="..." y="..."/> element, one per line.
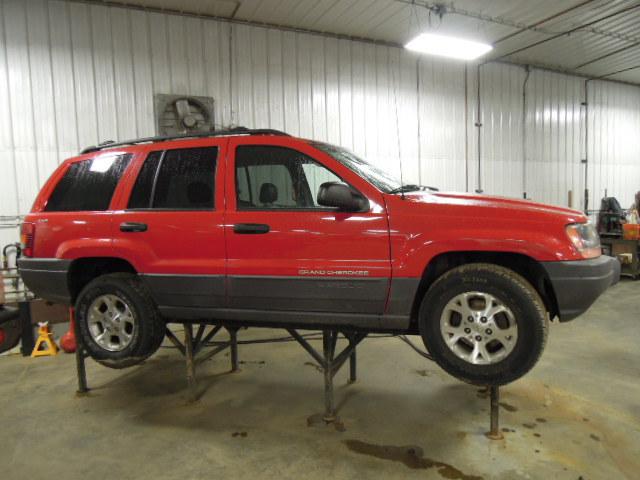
<point x="290" y="258"/>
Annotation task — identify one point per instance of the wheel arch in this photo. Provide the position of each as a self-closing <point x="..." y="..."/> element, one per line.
<point x="527" y="267"/>
<point x="83" y="270"/>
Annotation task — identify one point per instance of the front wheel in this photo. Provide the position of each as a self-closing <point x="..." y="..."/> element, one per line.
<point x="483" y="324"/>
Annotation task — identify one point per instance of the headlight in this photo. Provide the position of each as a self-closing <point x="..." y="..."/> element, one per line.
<point x="585" y="238"/>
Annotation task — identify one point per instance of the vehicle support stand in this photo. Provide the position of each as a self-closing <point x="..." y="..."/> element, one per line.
<point x="190" y="348"/>
<point x="494" y="431"/>
<point x="27" y="342"/>
<point x="194" y="344"/>
<point x="81" y="355"/>
<point x="329" y="363"/>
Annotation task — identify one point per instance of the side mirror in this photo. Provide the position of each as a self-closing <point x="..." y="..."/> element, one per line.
<point x="342" y="197"/>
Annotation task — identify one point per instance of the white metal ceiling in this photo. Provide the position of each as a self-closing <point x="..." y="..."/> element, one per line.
<point x="595" y="38"/>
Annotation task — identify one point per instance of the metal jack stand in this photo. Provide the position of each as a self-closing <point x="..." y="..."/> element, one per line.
<point x="494" y="432"/>
<point x="330" y="363"/>
<point x="190" y="348"/>
<point x="193" y="345"/>
<point x="81" y="355"/>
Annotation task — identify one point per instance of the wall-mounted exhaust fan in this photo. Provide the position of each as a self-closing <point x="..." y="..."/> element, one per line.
<point x="183" y="114"/>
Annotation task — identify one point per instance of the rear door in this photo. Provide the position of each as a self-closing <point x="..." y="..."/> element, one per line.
<point x="171" y="224"/>
<point x="285" y="252"/>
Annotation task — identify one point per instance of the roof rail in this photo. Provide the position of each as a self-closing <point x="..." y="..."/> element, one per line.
<point x="213" y="133"/>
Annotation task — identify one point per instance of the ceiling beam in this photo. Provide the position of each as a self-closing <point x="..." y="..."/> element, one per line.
<point x="505" y="22"/>
<point x="600" y="77"/>
<point x="544" y="20"/>
<point x="606" y="55"/>
<point x="570" y="31"/>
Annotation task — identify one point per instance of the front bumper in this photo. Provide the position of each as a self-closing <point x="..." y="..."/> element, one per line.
<point x="577" y="284"/>
<point x="46" y="277"/>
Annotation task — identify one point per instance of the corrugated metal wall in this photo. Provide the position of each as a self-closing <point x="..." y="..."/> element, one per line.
<point x="74" y="74"/>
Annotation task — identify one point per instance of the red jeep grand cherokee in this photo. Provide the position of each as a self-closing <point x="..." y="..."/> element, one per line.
<point x="260" y="228"/>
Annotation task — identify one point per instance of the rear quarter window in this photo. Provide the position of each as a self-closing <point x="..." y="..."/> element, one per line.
<point x="88" y="185"/>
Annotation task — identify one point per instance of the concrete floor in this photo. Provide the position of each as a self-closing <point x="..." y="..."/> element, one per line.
<point x="576" y="415"/>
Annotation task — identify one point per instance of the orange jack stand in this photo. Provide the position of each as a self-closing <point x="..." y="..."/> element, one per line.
<point x="45" y="346"/>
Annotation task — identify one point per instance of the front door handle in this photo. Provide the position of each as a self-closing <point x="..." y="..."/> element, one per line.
<point x="133" y="227"/>
<point x="251" y="228"/>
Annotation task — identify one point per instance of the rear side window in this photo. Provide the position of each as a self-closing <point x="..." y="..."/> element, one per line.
<point x="181" y="179"/>
<point x="141" y="193"/>
<point x="88" y="185"/>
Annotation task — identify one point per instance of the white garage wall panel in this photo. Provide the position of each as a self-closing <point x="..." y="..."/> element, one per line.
<point x="501" y="130"/>
<point x="554" y="138"/>
<point x="74" y="74"/>
<point x="614" y="142"/>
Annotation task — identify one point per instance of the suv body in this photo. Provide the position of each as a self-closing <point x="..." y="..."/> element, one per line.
<point x="229" y="228"/>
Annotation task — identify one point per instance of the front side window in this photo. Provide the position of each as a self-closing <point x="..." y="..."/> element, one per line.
<point x="270" y="178"/>
<point x="88" y="185"/>
<point x="181" y="179"/>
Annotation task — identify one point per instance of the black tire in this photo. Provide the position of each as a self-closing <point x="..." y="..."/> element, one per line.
<point x="512" y="291"/>
<point x="10" y="335"/>
<point x="146" y="336"/>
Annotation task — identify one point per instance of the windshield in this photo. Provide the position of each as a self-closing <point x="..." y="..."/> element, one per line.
<point x="380" y="179"/>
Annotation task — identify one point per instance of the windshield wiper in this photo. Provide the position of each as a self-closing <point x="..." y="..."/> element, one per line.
<point x="406" y="188"/>
<point x="412" y="188"/>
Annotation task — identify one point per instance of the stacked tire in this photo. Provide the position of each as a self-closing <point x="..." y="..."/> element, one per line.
<point x="9" y="328"/>
<point x="118" y="321"/>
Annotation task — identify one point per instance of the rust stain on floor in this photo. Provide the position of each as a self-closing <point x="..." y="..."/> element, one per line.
<point x="314" y="365"/>
<point x="318" y="419"/>
<point x="507" y="407"/>
<point x="564" y="408"/>
<point x="411" y="456"/>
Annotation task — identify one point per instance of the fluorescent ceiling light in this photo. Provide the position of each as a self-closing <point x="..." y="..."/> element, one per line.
<point x="444" y="46"/>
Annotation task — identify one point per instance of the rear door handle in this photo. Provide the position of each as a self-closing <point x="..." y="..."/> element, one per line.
<point x="251" y="228"/>
<point x="133" y="227"/>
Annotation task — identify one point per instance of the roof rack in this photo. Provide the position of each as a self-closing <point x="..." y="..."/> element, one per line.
<point x="213" y="133"/>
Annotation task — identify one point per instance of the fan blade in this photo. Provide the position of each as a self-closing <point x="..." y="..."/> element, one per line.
<point x="182" y="107"/>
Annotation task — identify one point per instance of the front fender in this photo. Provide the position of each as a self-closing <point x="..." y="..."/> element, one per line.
<point x="412" y="252"/>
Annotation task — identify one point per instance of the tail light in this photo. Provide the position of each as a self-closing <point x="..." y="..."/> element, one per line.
<point x="27" y="238"/>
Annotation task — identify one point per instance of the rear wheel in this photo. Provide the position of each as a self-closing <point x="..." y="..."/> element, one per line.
<point x="484" y="324"/>
<point x="118" y="321"/>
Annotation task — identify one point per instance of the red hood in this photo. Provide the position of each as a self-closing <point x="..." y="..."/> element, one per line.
<point x="475" y="204"/>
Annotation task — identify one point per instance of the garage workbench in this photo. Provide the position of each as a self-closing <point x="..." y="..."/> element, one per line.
<point x="615" y="247"/>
